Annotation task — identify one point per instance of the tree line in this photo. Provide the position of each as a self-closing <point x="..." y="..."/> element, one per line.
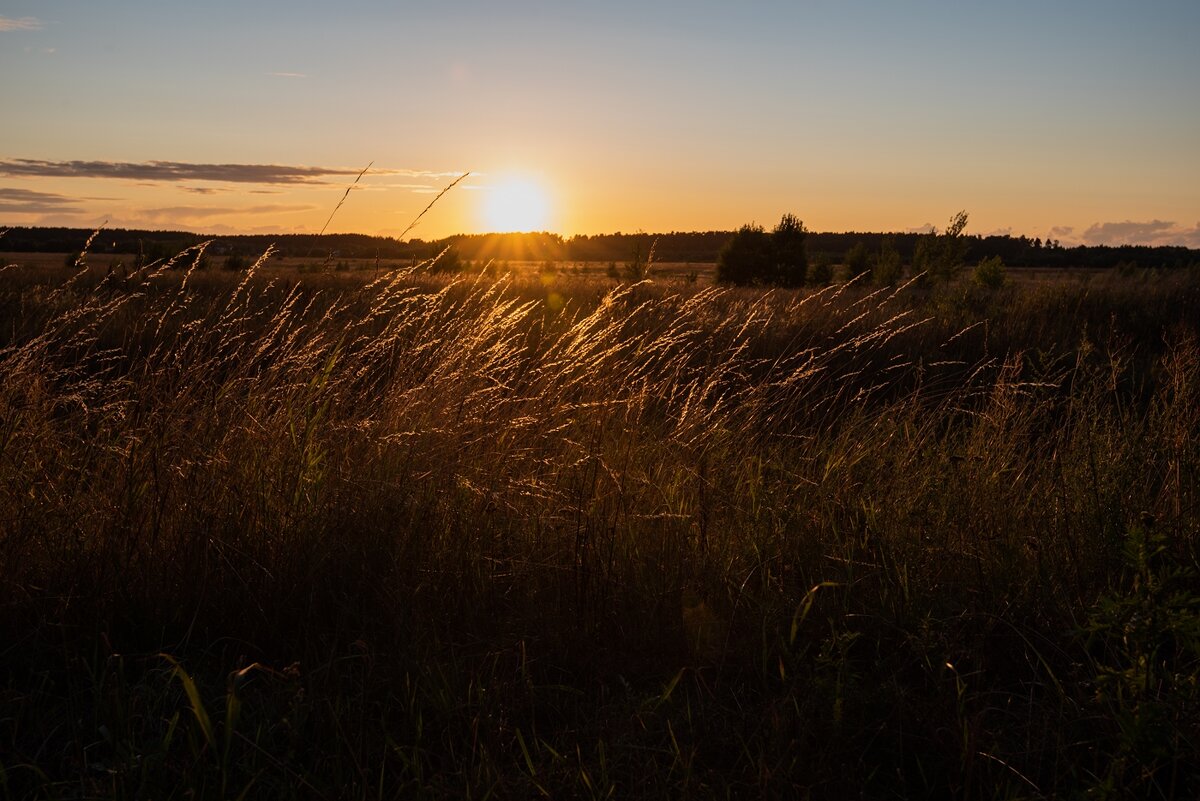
<point x="699" y="247"/>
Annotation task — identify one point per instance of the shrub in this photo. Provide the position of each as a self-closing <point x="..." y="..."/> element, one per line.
<point x="990" y="273"/>
<point x="858" y="260"/>
<point x="888" y="268"/>
<point x="821" y="272"/>
<point x="1144" y="639"/>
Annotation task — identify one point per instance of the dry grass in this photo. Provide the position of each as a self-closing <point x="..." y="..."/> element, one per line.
<point x="453" y="534"/>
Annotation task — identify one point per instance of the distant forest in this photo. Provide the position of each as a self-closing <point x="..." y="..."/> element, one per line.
<point x="693" y="246"/>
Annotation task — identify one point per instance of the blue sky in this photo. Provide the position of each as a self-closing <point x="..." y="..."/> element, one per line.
<point x="1075" y="118"/>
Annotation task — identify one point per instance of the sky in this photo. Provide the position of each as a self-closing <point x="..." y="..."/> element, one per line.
<point x="1072" y="120"/>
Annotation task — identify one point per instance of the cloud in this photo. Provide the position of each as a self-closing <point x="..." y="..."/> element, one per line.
<point x="27" y="201"/>
<point x="927" y="228"/>
<point x="1190" y="236"/>
<point x="20" y="24"/>
<point x="172" y="171"/>
<point x="287" y="74"/>
<point x="423" y="173"/>
<point x="1059" y="231"/>
<point x="1154" y="232"/>
<point x="203" y="190"/>
<point x="182" y="171"/>
<point x="179" y="213"/>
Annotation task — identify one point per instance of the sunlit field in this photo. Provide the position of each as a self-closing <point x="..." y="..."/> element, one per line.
<point x="373" y="532"/>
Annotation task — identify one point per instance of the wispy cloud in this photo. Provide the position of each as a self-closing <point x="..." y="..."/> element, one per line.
<point x="166" y="171"/>
<point x="173" y="171"/>
<point x="27" y="201"/>
<point x="418" y="173"/>
<point x="287" y="74"/>
<point x="20" y="24"/>
<point x="410" y="186"/>
<point x="1060" y="231"/>
<point x="183" y="213"/>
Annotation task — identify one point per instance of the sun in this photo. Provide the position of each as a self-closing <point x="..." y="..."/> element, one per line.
<point x="515" y="204"/>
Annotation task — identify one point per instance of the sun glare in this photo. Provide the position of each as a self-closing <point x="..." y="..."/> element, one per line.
<point x="515" y="204"/>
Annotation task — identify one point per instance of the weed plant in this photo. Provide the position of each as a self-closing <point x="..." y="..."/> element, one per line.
<point x="265" y="535"/>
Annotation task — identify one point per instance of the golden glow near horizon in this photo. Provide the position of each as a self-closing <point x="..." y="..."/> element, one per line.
<point x="515" y="204"/>
<point x="1056" y="120"/>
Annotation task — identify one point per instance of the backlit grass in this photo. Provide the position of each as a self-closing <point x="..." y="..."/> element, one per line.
<point x="270" y="535"/>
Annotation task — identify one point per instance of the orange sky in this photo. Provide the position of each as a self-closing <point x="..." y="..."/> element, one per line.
<point x="1077" y="121"/>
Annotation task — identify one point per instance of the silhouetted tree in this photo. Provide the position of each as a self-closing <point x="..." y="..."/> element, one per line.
<point x="753" y="256"/>
<point x="791" y="254"/>
<point x="747" y="258"/>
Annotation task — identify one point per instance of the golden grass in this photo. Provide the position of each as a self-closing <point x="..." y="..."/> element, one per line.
<point x="450" y="496"/>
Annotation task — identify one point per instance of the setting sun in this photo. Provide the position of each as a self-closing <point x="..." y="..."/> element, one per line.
<point x="515" y="204"/>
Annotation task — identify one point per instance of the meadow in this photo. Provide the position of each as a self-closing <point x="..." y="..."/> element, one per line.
<point x="392" y="534"/>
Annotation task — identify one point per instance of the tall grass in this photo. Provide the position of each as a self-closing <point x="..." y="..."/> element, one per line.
<point x="460" y="537"/>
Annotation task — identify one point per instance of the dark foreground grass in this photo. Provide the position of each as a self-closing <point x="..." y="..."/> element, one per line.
<point x="458" y="538"/>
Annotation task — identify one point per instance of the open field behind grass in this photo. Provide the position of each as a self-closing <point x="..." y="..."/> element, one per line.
<point x="658" y="270"/>
<point x="389" y="534"/>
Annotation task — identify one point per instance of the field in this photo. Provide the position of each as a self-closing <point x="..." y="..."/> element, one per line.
<point x="371" y="533"/>
<point x="334" y="264"/>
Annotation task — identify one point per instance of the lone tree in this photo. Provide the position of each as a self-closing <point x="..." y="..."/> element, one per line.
<point x="753" y="256"/>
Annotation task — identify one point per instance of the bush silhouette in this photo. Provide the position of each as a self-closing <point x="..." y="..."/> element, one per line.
<point x="858" y="260"/>
<point x="746" y="258"/>
<point x="791" y="255"/>
<point x="753" y="256"/>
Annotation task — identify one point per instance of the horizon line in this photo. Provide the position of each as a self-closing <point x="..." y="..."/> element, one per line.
<point x="565" y="237"/>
